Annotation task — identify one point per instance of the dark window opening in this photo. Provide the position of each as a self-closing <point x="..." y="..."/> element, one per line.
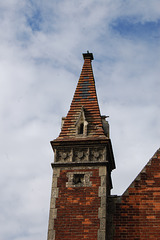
<point x="81" y="128"/>
<point x="78" y="178"/>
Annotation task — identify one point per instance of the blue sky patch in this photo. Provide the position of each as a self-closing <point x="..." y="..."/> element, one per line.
<point x="127" y="27"/>
<point x="35" y="20"/>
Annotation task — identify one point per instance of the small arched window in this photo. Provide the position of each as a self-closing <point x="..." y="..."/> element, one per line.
<point x="81" y="124"/>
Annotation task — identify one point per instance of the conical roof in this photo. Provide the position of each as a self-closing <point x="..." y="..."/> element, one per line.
<point x="84" y="106"/>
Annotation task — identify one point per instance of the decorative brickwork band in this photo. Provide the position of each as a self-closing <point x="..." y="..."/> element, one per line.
<point x="81" y="154"/>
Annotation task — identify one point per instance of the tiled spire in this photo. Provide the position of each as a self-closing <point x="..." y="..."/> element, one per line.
<point x="84" y="100"/>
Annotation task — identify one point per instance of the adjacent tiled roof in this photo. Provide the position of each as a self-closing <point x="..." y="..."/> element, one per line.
<point x="85" y="96"/>
<point x="147" y="168"/>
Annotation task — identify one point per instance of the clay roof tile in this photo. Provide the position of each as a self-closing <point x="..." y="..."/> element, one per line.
<point x="85" y="96"/>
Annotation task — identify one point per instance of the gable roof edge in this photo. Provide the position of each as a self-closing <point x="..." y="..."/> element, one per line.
<point x="138" y="178"/>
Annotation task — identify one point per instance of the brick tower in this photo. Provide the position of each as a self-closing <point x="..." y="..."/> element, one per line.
<point x="83" y="161"/>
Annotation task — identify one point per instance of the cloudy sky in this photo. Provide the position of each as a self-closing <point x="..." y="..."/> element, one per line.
<point x="41" y="46"/>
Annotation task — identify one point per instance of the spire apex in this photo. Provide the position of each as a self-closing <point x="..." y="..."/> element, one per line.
<point x="88" y="55"/>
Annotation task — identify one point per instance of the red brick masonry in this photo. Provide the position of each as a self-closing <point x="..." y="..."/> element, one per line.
<point x="77" y="208"/>
<point x="137" y="214"/>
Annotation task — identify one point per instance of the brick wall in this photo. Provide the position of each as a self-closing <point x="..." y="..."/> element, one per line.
<point x="77" y="207"/>
<point x="137" y="211"/>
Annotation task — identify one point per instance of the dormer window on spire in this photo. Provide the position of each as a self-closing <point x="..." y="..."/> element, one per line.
<point x="81" y="124"/>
